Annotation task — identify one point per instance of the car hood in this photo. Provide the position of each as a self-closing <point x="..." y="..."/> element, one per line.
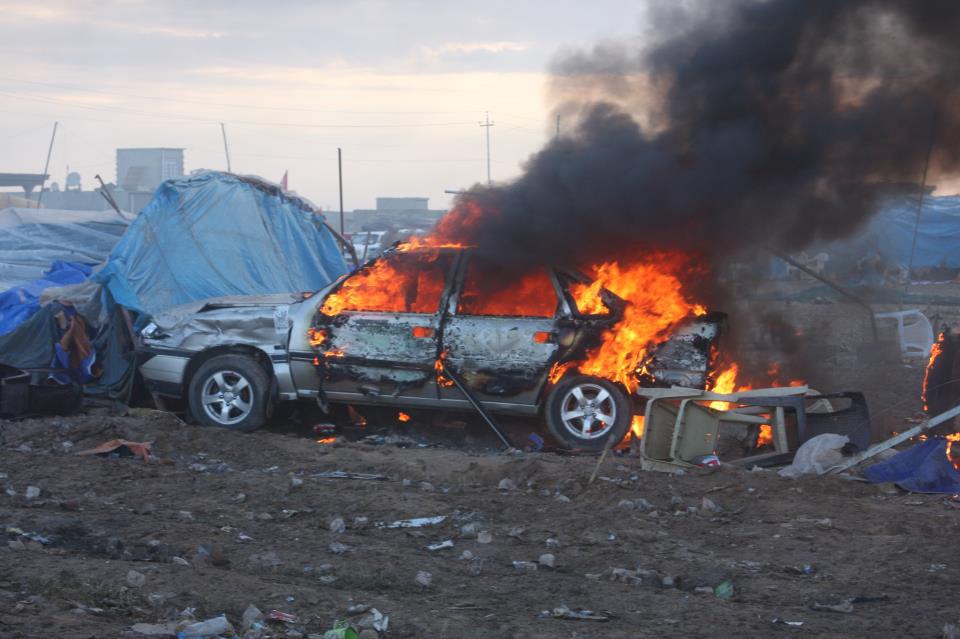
<point x="176" y="315"/>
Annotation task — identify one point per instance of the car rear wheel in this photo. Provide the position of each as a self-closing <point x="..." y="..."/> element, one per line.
<point x="585" y="412"/>
<point x="230" y="391"/>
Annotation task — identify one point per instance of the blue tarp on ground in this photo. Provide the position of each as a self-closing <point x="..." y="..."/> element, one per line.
<point x="19" y="303"/>
<point x="216" y="234"/>
<point x="922" y="468"/>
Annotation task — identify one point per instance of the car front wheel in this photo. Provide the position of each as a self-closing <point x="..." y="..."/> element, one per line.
<point x="585" y="412"/>
<point x="230" y="391"/>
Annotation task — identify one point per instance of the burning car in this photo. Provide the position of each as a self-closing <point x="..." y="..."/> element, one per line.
<point x="393" y="333"/>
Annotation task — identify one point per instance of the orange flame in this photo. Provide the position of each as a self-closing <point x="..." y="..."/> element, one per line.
<point x="438" y="365"/>
<point x="403" y="417"/>
<point x="326" y="440"/>
<point x="727" y="382"/>
<point x="383" y="286"/>
<point x="954" y="458"/>
<point x="655" y="303"/>
<point x="316" y="337"/>
<point x="935" y="353"/>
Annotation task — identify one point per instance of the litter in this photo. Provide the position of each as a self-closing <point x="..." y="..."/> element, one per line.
<point x="785" y="622"/>
<point x="341" y="630"/>
<point x="564" y="612"/>
<point x="423" y="578"/>
<point x="725" y="590"/>
<point x="816" y="455"/>
<point x="440" y="545"/>
<point x="418" y="522"/>
<point x="377" y="619"/>
<point x="283" y="617"/>
<point x="209" y="628"/>
<point x="155" y="629"/>
<point x="121" y="448"/>
<point x="40" y="539"/>
<point x="845" y="606"/>
<point x="340" y="474"/>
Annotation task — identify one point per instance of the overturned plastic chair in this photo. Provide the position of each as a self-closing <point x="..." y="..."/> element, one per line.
<point x="914" y="332"/>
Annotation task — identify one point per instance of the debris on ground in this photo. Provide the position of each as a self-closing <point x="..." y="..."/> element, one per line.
<point x="120" y="448"/>
<point x="418" y="522"/>
<point x="564" y="612"/>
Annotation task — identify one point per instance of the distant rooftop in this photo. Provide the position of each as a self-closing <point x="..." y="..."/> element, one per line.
<point x="26" y="181"/>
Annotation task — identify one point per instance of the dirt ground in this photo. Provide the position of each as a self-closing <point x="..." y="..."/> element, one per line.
<point x="226" y="520"/>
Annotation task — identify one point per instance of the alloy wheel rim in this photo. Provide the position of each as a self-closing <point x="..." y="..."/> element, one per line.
<point x="227" y="397"/>
<point x="588" y="411"/>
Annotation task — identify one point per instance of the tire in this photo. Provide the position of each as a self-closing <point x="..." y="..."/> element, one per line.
<point x="572" y="405"/>
<point x="236" y="390"/>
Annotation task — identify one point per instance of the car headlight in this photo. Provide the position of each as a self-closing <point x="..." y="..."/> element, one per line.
<point x="150" y="331"/>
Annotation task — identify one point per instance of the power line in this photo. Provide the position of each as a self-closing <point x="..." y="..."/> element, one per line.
<point x="224" y="104"/>
<point x="154" y="114"/>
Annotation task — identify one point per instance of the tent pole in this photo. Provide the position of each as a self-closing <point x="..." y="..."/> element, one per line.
<point x="923" y="189"/>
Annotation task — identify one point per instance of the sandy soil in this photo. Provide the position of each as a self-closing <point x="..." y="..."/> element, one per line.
<point x="219" y="525"/>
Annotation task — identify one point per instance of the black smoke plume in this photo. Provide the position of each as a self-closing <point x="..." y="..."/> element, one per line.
<point x="738" y="124"/>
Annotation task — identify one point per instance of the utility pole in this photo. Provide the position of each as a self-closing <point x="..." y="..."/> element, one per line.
<point x="226" y="150"/>
<point x="487" y="126"/>
<point x="46" y="165"/>
<point x="340" y="175"/>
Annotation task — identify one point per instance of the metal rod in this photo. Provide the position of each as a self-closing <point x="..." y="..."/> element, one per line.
<point x="226" y="150"/>
<point x="876" y="449"/>
<point x="46" y="165"/>
<point x="487" y="417"/>
<point x="108" y="196"/>
<point x="856" y="300"/>
<point x="923" y="188"/>
<point x="340" y="177"/>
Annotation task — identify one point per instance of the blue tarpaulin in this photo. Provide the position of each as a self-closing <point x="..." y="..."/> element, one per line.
<point x="938" y="235"/>
<point x="19" y="303"/>
<point x="33" y="239"/>
<point x="216" y="234"/>
<point x="922" y="468"/>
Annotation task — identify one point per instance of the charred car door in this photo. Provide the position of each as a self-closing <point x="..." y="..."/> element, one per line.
<point x="500" y="333"/>
<point x="376" y="335"/>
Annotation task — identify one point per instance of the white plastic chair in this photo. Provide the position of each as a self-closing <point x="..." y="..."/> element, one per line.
<point x="914" y="332"/>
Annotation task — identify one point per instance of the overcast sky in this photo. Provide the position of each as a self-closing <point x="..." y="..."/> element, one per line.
<point x="401" y="86"/>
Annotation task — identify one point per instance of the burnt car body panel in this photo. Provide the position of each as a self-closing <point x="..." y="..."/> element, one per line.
<point x="378" y="354"/>
<point x="389" y="358"/>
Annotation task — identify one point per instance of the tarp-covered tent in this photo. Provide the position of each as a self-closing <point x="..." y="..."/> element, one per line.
<point x="216" y="234"/>
<point x="31" y="240"/>
<point x="43" y="248"/>
<point x="882" y="247"/>
<point x="207" y="235"/>
<point x="891" y="231"/>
